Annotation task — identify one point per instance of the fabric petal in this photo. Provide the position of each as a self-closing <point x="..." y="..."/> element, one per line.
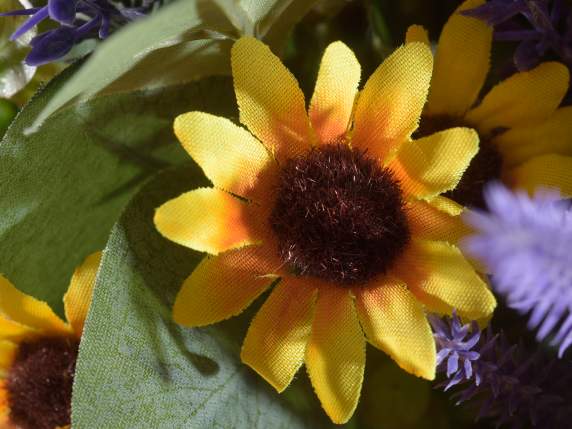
<point x="441" y="278"/>
<point x="462" y="62"/>
<point x="206" y="219"/>
<point x="78" y="296"/>
<point x="389" y="106"/>
<point x="335" y="356"/>
<point x="269" y="98"/>
<point x="395" y="322"/>
<point x="4" y="406"/>
<point x="336" y="89"/>
<point x="526" y="96"/>
<point x="276" y="340"/>
<point x="428" y="222"/>
<point x="551" y="136"/>
<point x="8" y="351"/>
<point x="14" y="331"/>
<point x="223" y="286"/>
<point x="548" y="171"/>
<point x="447" y="205"/>
<point x="29" y="311"/>
<point x="417" y="33"/>
<point x="435" y="164"/>
<point x="229" y="155"/>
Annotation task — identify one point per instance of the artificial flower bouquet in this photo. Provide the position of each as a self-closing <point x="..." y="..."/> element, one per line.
<point x="237" y="201"/>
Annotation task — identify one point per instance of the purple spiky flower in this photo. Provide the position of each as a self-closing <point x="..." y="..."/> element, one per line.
<point x="78" y="20"/>
<point x="509" y="385"/>
<point x="526" y="245"/>
<point x="542" y="27"/>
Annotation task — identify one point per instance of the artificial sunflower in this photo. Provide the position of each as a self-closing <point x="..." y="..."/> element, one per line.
<point x="525" y="139"/>
<point x="333" y="207"/>
<point x="38" y="352"/>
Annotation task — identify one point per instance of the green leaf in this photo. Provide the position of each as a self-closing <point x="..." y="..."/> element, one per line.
<point x="182" y="42"/>
<point x="137" y="368"/>
<point x="64" y="187"/>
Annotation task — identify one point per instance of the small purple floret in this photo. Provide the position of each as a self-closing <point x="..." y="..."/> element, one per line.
<point x="455" y="343"/>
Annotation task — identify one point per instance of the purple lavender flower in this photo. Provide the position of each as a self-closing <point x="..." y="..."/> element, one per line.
<point x="543" y="27"/>
<point x="508" y="384"/>
<point x="79" y="20"/>
<point x="526" y="244"/>
<point x="455" y="343"/>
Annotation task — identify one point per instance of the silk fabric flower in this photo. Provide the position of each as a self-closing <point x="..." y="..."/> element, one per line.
<point x="38" y="351"/>
<point x="337" y="208"/>
<point x="525" y="139"/>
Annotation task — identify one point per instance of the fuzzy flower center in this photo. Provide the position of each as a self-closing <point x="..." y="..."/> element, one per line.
<point x="338" y="216"/>
<point x="39" y="383"/>
<point x="484" y="167"/>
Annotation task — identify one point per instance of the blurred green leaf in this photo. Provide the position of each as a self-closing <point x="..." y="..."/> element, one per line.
<point x="8" y="111"/>
<point x="64" y="187"/>
<point x="182" y="42"/>
<point x="394" y="399"/>
<point x="137" y="365"/>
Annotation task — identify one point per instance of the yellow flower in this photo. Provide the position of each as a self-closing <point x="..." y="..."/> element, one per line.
<point x="38" y="351"/>
<point x="332" y="207"/>
<point x="525" y="139"/>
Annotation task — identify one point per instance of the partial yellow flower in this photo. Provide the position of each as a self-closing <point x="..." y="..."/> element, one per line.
<point x="330" y="206"/>
<point x="38" y="352"/>
<point x="525" y="139"/>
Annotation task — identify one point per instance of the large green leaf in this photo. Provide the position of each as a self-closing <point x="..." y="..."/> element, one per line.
<point x="64" y="187"/>
<point x="182" y="42"/>
<point x="138" y="369"/>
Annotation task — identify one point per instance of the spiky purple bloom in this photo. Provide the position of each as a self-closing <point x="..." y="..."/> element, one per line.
<point x="508" y="384"/>
<point x="526" y="244"/>
<point x="78" y="20"/>
<point x="456" y="342"/>
<point x="542" y="27"/>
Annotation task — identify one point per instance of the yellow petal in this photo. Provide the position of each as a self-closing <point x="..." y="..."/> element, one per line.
<point x="276" y="340"/>
<point x="206" y="219"/>
<point x="461" y="63"/>
<point x="548" y="171"/>
<point x="8" y="351"/>
<point x="14" y="331"/>
<point x="269" y="98"/>
<point x="389" y="106"/>
<point x="446" y="205"/>
<point x="27" y="310"/>
<point x="78" y="296"/>
<point x="442" y="279"/>
<point x="335" y="92"/>
<point x="4" y="406"/>
<point x="526" y="96"/>
<point x="335" y="357"/>
<point x="428" y="222"/>
<point x="395" y="322"/>
<point x="417" y="33"/>
<point x="435" y="164"/>
<point x="551" y="136"/>
<point x="229" y="155"/>
<point x="222" y="286"/>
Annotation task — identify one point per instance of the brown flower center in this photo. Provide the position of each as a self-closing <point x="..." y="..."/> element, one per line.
<point x="39" y="383"/>
<point x="484" y="167"/>
<point x="338" y="215"/>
